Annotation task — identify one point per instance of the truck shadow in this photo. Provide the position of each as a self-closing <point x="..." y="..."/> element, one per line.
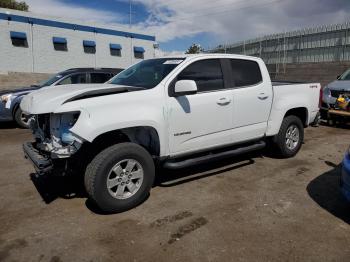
<point x="325" y="191"/>
<point x="52" y="187"/>
<point x="170" y="178"/>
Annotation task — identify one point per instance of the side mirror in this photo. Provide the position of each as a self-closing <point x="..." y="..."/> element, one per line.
<point x="185" y="87"/>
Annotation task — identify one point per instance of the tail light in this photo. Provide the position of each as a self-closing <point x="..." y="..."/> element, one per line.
<point x="320" y="100"/>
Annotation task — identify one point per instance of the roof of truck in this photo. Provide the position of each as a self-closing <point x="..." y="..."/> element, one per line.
<point x="91" y="69"/>
<point x="220" y="55"/>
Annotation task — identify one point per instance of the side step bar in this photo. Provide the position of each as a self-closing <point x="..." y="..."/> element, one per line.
<point x="173" y="164"/>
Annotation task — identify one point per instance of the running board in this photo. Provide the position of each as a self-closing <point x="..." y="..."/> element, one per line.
<point x="173" y="164"/>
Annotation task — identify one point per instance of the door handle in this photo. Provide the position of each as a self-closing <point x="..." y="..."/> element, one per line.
<point x="223" y="101"/>
<point x="262" y="96"/>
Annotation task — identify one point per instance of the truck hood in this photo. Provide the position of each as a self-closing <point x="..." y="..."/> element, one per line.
<point x="339" y="85"/>
<point x="48" y="99"/>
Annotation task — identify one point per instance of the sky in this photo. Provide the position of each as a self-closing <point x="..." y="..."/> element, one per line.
<point x="179" y="23"/>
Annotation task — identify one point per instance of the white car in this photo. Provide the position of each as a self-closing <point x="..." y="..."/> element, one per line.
<point x="172" y="111"/>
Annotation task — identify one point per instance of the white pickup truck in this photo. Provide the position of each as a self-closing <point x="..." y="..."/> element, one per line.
<point x="172" y="111"/>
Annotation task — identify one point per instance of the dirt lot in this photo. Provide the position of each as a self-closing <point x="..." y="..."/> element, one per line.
<point x="255" y="208"/>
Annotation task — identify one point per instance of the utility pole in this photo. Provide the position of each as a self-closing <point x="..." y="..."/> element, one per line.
<point x="130" y="12"/>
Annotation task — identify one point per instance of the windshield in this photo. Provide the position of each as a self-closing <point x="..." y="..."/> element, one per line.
<point x="146" y="74"/>
<point x="345" y="76"/>
<point x="50" y="81"/>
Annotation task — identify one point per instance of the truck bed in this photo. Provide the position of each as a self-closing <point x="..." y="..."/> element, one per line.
<point x="293" y="95"/>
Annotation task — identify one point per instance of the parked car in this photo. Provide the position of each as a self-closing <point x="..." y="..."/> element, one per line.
<point x="345" y="176"/>
<point x="174" y="112"/>
<point x="10" y="99"/>
<point x="333" y="91"/>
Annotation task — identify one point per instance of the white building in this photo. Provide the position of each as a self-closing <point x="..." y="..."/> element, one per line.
<point x="41" y="44"/>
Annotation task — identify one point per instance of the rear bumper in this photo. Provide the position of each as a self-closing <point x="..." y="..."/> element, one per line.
<point x="41" y="163"/>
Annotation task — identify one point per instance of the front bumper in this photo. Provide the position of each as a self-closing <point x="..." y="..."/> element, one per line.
<point x="41" y="163"/>
<point x="345" y="177"/>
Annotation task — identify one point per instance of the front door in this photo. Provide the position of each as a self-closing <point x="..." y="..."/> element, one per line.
<point x="203" y="120"/>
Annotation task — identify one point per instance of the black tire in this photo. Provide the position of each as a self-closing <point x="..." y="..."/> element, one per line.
<point x="19" y="120"/>
<point x="324" y="114"/>
<point x="98" y="171"/>
<point x="280" y="139"/>
<point x="331" y="122"/>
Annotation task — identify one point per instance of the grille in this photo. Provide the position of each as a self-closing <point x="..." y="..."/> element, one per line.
<point x="337" y="93"/>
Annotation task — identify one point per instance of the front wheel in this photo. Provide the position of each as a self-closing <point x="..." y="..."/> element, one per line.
<point x="21" y="118"/>
<point x="120" y="177"/>
<point x="290" y="137"/>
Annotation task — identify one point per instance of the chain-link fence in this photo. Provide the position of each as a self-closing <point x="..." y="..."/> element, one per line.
<point x="320" y="44"/>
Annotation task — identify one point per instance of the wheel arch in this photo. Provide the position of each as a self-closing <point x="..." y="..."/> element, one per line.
<point x="14" y="109"/>
<point x="300" y="112"/>
<point x="145" y="136"/>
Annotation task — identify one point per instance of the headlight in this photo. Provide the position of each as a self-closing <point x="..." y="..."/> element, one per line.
<point x="61" y="124"/>
<point x="68" y="120"/>
<point x="5" y="98"/>
<point x="326" y="94"/>
<point x="326" y="91"/>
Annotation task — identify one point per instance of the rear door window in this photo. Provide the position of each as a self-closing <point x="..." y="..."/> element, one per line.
<point x="74" y="79"/>
<point x="100" y="77"/>
<point x="206" y="73"/>
<point x="245" y="72"/>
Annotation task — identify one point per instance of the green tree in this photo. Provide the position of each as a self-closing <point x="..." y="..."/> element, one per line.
<point x="13" y="4"/>
<point x="194" y="49"/>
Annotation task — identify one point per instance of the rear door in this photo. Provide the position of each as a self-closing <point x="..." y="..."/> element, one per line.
<point x="202" y="120"/>
<point x="252" y="99"/>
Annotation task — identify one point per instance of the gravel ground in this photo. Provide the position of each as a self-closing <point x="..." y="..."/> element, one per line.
<point x="253" y="208"/>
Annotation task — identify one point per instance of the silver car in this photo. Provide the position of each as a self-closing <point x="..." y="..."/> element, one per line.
<point x="333" y="90"/>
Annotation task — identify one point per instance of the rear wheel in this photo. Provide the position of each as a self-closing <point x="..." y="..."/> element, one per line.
<point x="21" y="118"/>
<point x="120" y="177"/>
<point x="290" y="137"/>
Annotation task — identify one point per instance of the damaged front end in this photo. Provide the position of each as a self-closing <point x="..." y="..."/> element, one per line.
<point x="54" y="143"/>
<point x="52" y="134"/>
